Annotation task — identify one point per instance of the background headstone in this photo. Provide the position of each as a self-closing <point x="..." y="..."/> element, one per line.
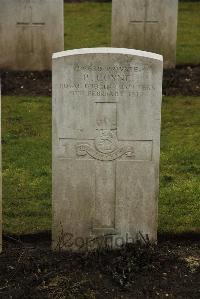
<point x="106" y="146"/>
<point x="30" y="32"/>
<point x="149" y="25"/>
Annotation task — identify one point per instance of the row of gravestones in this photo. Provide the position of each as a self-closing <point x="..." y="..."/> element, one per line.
<point x="31" y="30"/>
<point x="106" y="145"/>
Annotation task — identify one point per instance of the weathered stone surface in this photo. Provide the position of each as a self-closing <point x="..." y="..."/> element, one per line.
<point x="30" y="32"/>
<point x="149" y="25"/>
<point x="106" y="146"/>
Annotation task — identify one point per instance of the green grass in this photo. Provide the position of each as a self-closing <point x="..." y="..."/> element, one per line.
<point x="179" y="205"/>
<point x="89" y="25"/>
<point x="27" y="134"/>
<point x="188" y="41"/>
<point x="27" y="164"/>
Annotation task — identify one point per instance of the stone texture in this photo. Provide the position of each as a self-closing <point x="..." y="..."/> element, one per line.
<point x="106" y="146"/>
<point x="30" y="32"/>
<point x="149" y="25"/>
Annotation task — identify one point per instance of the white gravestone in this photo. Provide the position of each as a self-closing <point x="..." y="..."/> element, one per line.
<point x="149" y="25"/>
<point x="106" y="146"/>
<point x="30" y="32"/>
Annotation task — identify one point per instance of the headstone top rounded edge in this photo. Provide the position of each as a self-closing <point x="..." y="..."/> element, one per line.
<point x="108" y="50"/>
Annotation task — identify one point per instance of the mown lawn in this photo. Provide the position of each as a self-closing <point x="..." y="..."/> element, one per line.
<point x="27" y="164"/>
<point x="179" y="204"/>
<point x="26" y="126"/>
<point x="89" y="25"/>
<point x="26" y="123"/>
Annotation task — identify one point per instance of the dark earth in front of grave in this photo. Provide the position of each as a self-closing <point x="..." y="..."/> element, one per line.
<point x="29" y="269"/>
<point x="183" y="80"/>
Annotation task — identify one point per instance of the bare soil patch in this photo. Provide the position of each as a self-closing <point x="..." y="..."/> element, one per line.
<point x="29" y="269"/>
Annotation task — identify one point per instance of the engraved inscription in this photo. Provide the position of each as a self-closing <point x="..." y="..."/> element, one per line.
<point x="107" y="83"/>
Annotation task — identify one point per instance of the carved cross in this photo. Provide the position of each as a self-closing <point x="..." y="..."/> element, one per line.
<point x="145" y="22"/>
<point x="30" y="25"/>
<point x="106" y="150"/>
